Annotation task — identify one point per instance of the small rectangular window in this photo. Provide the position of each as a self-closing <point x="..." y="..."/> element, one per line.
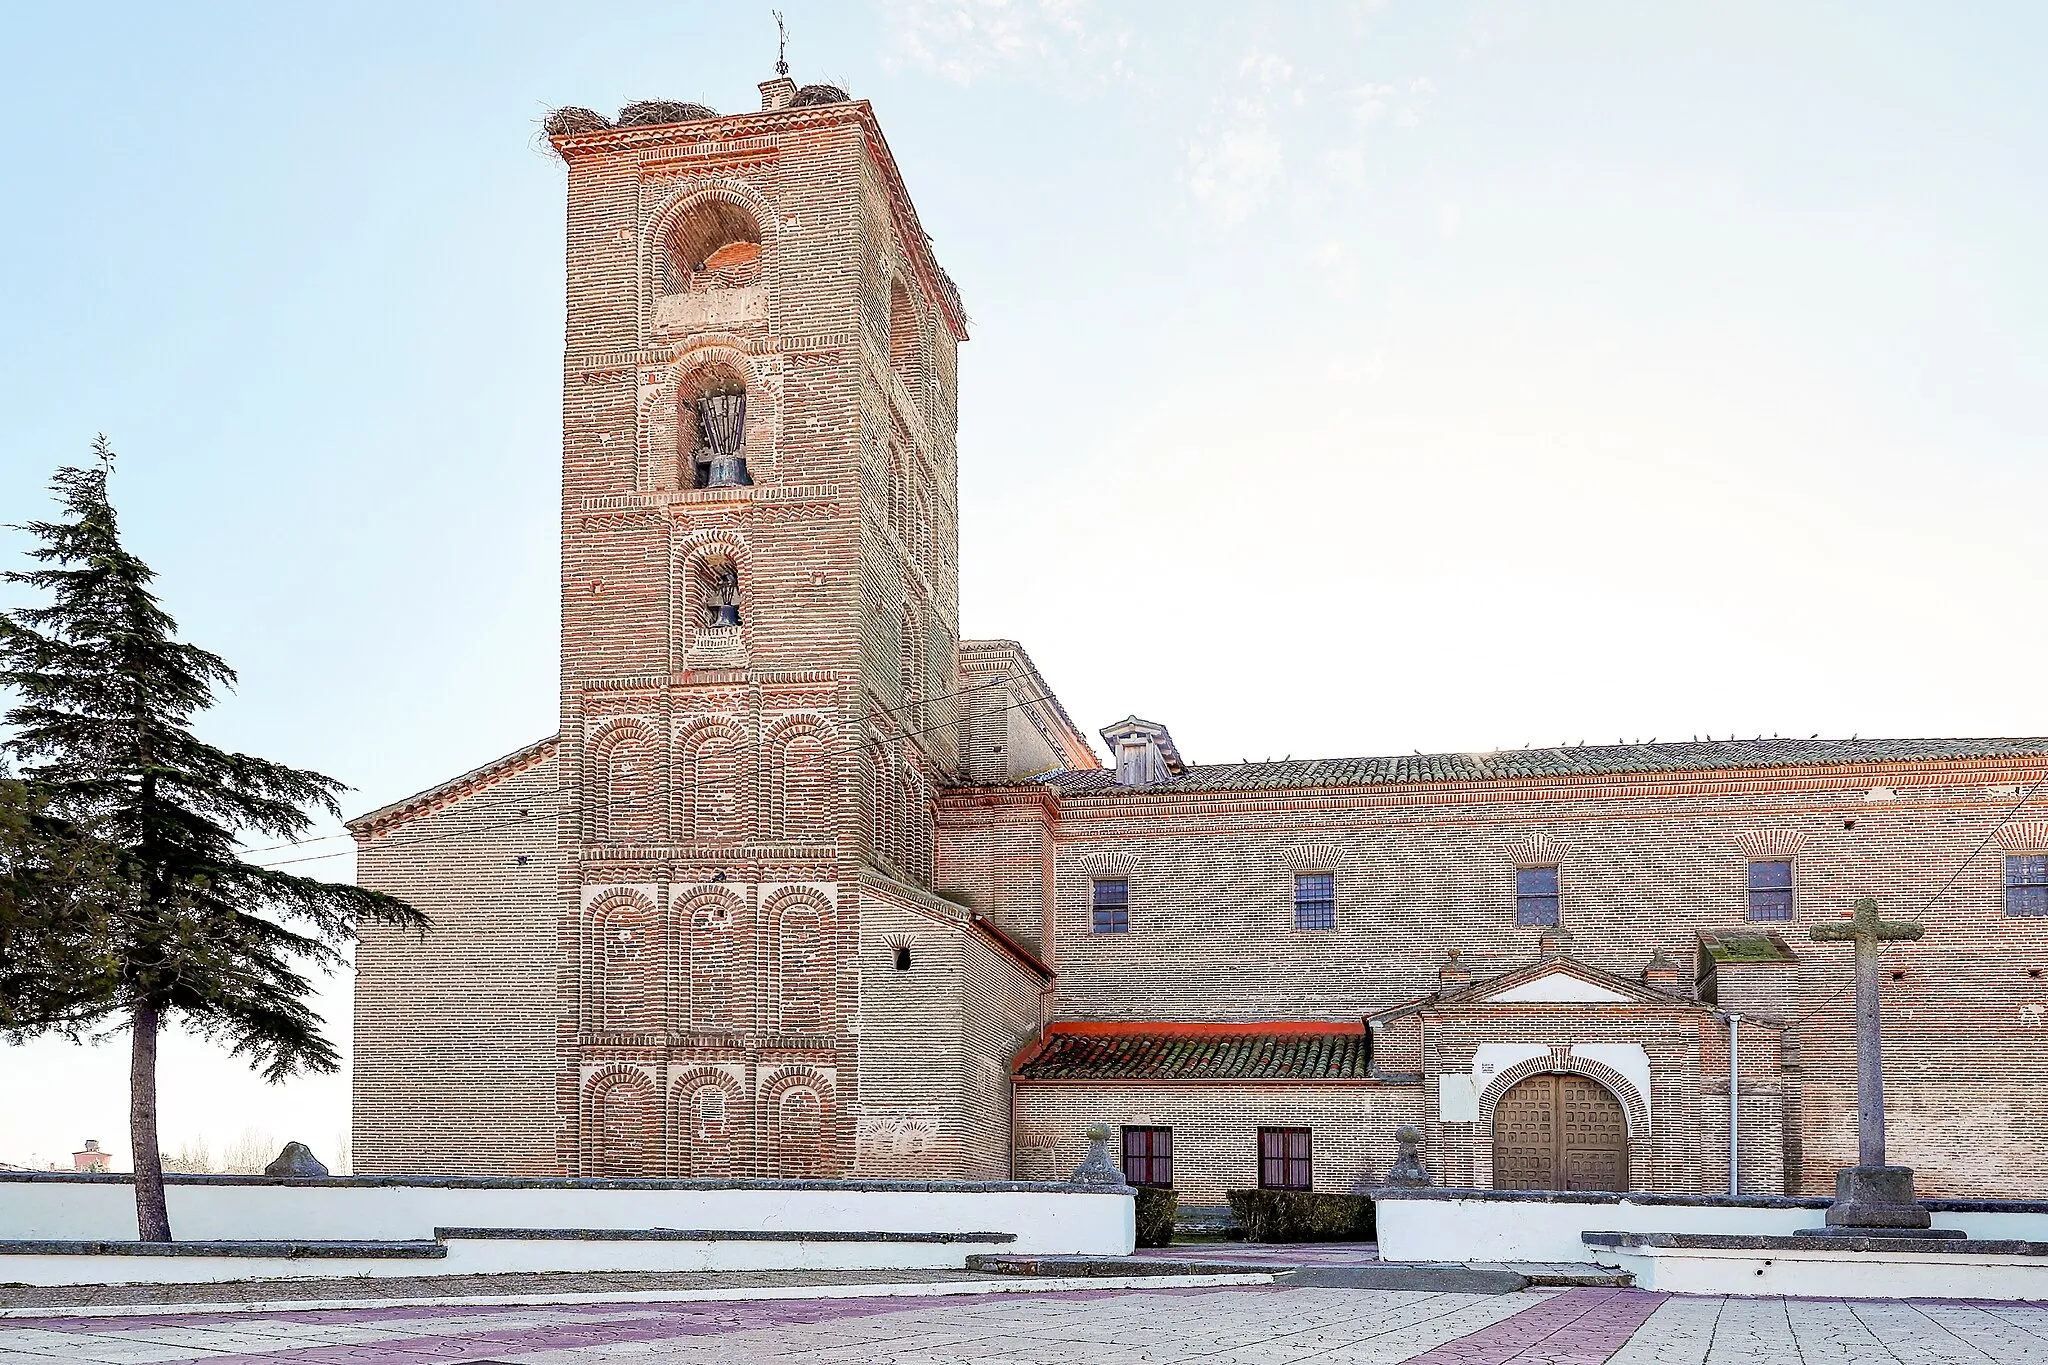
<point x="1113" y="906"/>
<point x="2026" y="884"/>
<point x="1536" y="896"/>
<point x="1284" y="1159"/>
<point x="1770" y="891"/>
<point x="1148" y="1156"/>
<point x="1315" y="901"/>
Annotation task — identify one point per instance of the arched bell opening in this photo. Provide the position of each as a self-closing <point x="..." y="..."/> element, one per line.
<point x="712" y="244"/>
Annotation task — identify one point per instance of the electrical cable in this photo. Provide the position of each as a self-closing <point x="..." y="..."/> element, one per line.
<point x="1989" y="835"/>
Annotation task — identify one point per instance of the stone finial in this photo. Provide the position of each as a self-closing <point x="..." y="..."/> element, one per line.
<point x="1099" y="1168"/>
<point x="1454" y="973"/>
<point x="1408" y="1172"/>
<point x="295" y="1160"/>
<point x="778" y="93"/>
<point x="1556" y="942"/>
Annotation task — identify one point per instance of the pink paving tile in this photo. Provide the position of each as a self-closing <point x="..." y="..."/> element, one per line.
<point x="1577" y="1327"/>
<point x="654" y="1322"/>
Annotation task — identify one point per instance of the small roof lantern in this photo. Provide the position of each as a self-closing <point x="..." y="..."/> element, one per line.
<point x="1144" y="752"/>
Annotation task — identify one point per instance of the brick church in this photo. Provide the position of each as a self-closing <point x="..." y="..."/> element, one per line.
<point x="805" y="884"/>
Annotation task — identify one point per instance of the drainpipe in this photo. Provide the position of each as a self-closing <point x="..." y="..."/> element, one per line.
<point x="1734" y="1105"/>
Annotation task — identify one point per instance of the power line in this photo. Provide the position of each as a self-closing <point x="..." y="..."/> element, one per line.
<point x="1989" y="835"/>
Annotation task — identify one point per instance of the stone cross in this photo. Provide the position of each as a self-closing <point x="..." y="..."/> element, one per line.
<point x="1867" y="931"/>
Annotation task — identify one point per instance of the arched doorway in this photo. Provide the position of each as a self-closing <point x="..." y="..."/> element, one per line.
<point x="1560" y="1132"/>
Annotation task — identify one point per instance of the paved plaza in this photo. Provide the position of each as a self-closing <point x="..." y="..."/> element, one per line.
<point x="1243" y="1325"/>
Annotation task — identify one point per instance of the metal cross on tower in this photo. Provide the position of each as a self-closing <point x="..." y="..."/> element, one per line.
<point x="1867" y="931"/>
<point x="781" y="45"/>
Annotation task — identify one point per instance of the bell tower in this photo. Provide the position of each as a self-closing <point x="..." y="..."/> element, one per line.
<point x="760" y="622"/>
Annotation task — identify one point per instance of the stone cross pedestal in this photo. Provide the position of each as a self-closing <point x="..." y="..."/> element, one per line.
<point x="1408" y="1172"/>
<point x="1098" y="1167"/>
<point x="1872" y="1199"/>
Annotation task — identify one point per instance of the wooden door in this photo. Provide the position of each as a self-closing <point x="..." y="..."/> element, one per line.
<point x="1556" y="1132"/>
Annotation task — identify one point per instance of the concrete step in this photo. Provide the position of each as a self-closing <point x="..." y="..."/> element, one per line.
<point x="501" y="1251"/>
<point x="123" y="1262"/>
<point x="714" y="1235"/>
<point x="1094" y="1267"/>
<point x="1433" y="1279"/>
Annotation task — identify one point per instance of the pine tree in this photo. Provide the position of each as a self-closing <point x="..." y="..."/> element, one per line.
<point x="166" y="922"/>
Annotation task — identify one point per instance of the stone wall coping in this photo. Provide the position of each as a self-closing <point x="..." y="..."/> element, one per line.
<point x="1704" y="1201"/>
<point x="489" y="1182"/>
<point x="1742" y="1201"/>
<point x="709" y="1235"/>
<point x="287" y="1251"/>
<point x="1893" y="1246"/>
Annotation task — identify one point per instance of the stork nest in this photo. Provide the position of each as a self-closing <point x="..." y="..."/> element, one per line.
<point x="643" y="112"/>
<point x="571" y="119"/>
<point x="819" y="94"/>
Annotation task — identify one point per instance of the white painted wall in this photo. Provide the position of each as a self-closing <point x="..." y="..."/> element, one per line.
<point x="1848" y="1275"/>
<point x="1044" y="1220"/>
<point x="1508" y="1230"/>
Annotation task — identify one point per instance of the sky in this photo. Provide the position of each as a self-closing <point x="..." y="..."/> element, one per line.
<point x="1346" y="379"/>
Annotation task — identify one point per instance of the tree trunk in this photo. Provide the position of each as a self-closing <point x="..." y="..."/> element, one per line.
<point x="152" y="1218"/>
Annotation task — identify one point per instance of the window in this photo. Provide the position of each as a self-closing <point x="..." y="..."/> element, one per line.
<point x="1536" y="896"/>
<point x="1148" y="1156"/>
<point x="1283" y="1159"/>
<point x="1315" y="901"/>
<point x="2026" y="884"/>
<point x="1113" y="906"/>
<point x="1770" y="891"/>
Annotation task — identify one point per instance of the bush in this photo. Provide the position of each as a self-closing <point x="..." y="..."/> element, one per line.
<point x="1157" y="1206"/>
<point x="1300" y="1216"/>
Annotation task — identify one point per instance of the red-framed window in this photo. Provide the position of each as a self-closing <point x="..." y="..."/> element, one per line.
<point x="1284" y="1159"/>
<point x="1148" y="1156"/>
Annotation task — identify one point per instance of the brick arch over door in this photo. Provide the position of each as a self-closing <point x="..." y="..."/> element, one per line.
<point x="621" y="1134"/>
<point x="800" y="960"/>
<point x="1634" y="1105"/>
<point x="710" y="1125"/>
<point x="622" y="963"/>
<point x="798" y="1107"/>
<point x="803" y="779"/>
<point x="622" y="787"/>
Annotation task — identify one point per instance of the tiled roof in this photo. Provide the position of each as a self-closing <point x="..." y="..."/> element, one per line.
<point x="1216" y="1052"/>
<point x="1715" y="755"/>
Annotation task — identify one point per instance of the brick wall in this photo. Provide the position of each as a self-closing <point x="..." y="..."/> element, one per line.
<point x="1215" y="1129"/>
<point x="710" y="769"/>
<point x="454" y="1032"/>
<point x="1647" y="862"/>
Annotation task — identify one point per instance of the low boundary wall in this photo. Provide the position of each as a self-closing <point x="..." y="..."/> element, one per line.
<point x="1543" y="1225"/>
<point x="881" y="1224"/>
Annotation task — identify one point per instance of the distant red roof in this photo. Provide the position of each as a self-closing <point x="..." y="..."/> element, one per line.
<point x="1281" y="1051"/>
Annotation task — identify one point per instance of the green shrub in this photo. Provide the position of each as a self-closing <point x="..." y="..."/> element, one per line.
<point x="1300" y="1216"/>
<point x="1157" y="1206"/>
